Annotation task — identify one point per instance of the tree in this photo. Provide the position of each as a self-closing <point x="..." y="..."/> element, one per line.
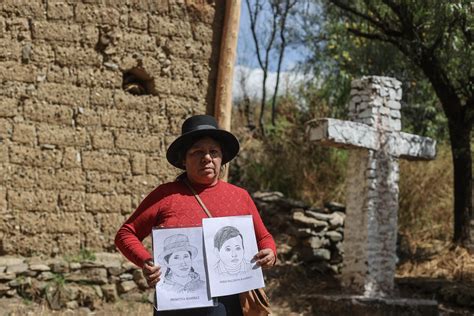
<point x="269" y="36"/>
<point x="436" y="36"/>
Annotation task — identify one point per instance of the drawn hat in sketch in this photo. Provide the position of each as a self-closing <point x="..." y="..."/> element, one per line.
<point x="196" y="127"/>
<point x="174" y="243"/>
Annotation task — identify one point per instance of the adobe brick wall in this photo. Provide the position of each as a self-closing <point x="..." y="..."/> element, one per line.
<point x="77" y="152"/>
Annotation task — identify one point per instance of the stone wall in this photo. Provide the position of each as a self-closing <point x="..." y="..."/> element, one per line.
<point x="91" y="94"/>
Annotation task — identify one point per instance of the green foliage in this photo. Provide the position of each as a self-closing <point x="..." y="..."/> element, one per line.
<point x="285" y="161"/>
<point x="58" y="280"/>
<point x="83" y="255"/>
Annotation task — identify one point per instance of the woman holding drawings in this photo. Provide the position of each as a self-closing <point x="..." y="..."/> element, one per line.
<point x="200" y="150"/>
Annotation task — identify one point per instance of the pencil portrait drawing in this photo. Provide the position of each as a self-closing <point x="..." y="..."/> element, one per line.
<point x="230" y="251"/>
<point x="177" y="260"/>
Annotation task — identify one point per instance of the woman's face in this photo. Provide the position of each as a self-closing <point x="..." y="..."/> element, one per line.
<point x="203" y="161"/>
<point x="232" y="252"/>
<point x="180" y="263"/>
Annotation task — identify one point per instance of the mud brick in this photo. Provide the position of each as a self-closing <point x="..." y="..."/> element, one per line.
<point x="45" y="112"/>
<point x="102" y="140"/>
<point x="72" y="201"/>
<point x="107" y="204"/>
<point x="71" y="158"/>
<point x="22" y="177"/>
<point x="61" y="136"/>
<point x="87" y="13"/>
<point x="24" y="134"/>
<point x="54" y="179"/>
<point x="37" y="200"/>
<point x="26" y="8"/>
<point x="63" y="94"/>
<point x="138" y="163"/>
<point x="5" y="128"/>
<point x="139" y="142"/>
<point x="91" y="77"/>
<point x="9" y="49"/>
<point x="59" y="10"/>
<point x="56" y="31"/>
<point x="77" y="56"/>
<point x="105" y="162"/>
<point x="13" y="71"/>
<point x="156" y="165"/>
<point x="103" y="97"/>
<point x="34" y="156"/>
<point x="87" y="117"/>
<point x="106" y="183"/>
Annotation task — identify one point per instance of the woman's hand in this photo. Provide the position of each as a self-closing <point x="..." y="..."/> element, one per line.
<point x="265" y="258"/>
<point x="151" y="273"/>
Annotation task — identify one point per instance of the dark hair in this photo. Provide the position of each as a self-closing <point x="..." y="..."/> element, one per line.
<point x="224" y="234"/>
<point x="167" y="259"/>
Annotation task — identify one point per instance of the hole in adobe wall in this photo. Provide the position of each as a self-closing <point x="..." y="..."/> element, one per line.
<point x="137" y="81"/>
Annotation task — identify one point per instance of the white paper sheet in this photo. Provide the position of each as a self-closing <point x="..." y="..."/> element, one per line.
<point x="230" y="245"/>
<point x="183" y="284"/>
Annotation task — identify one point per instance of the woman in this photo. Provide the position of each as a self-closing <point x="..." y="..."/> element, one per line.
<point x="177" y="257"/>
<point x="229" y="249"/>
<point x="201" y="150"/>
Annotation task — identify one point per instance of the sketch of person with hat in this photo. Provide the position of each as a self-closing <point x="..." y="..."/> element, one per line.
<point x="177" y="257"/>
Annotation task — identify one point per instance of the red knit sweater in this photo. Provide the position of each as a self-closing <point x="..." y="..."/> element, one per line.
<point x="173" y="205"/>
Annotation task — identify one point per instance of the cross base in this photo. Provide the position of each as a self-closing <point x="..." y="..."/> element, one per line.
<point x="356" y="305"/>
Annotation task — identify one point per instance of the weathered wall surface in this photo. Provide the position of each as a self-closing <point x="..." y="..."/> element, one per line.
<point x="78" y="150"/>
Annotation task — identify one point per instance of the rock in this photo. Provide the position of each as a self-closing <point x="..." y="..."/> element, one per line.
<point x="335" y="207"/>
<point x="45" y="276"/>
<point x="319" y="216"/>
<point x="317" y="242"/>
<point x="91" y="275"/>
<point x="334" y="236"/>
<point x="2" y="269"/>
<point x="109" y="260"/>
<point x="110" y="292"/>
<point x="20" y="282"/>
<point x="126" y="277"/>
<point x="321" y="254"/>
<point x="10" y="261"/>
<point x="72" y="305"/>
<point x="91" y="264"/>
<point x="140" y="279"/>
<point x="39" y="267"/>
<point x="301" y="219"/>
<point x="58" y="265"/>
<point x="17" y="268"/>
<point x="268" y="196"/>
<point x="7" y="276"/>
<point x="284" y="249"/>
<point x="306" y="232"/>
<point x="337" y="219"/>
<point x="126" y="286"/>
<point x="98" y="291"/>
<point x="128" y="266"/>
<point x="11" y="293"/>
<point x="4" y="289"/>
<point x="74" y="266"/>
<point x="134" y="296"/>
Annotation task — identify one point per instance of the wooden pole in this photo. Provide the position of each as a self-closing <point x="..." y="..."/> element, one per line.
<point x="230" y="33"/>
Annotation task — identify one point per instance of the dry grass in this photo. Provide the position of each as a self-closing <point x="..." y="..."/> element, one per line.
<point x="426" y="198"/>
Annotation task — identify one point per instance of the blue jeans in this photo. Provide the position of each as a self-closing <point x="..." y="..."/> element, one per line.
<point x="227" y="306"/>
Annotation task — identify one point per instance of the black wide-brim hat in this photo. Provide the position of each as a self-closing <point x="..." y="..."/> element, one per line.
<point x="195" y="128"/>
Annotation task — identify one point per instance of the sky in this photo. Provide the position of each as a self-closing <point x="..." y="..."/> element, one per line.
<point x="247" y="64"/>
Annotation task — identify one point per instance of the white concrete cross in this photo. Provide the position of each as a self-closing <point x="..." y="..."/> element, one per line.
<point x="374" y="135"/>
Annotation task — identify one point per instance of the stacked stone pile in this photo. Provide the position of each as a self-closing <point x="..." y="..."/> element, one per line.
<point x="73" y="284"/>
<point x="303" y="233"/>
